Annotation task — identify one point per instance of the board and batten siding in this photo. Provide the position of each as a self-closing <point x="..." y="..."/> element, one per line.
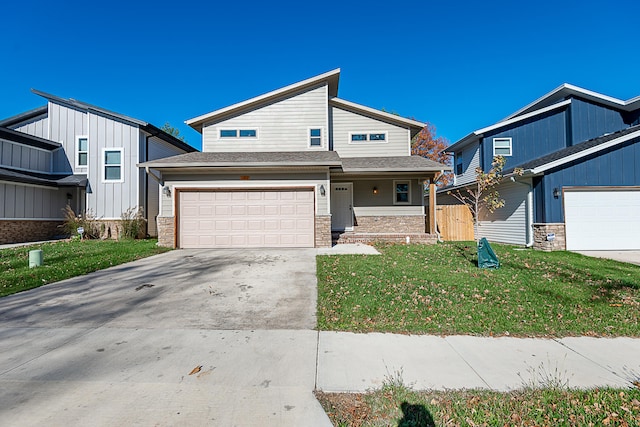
<point x="509" y="223"/>
<point x="157" y="149"/>
<point x="257" y="181"/>
<point x="22" y="201"/>
<point x="590" y="121"/>
<point x="24" y="157"/>
<point x="282" y="125"/>
<point x="345" y="122"/>
<point x="470" y="161"/>
<point x="37" y="126"/>
<point x="108" y="200"/>
<point x="65" y="125"/>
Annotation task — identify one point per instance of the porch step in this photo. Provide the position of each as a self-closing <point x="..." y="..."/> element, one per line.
<point x="351" y="237"/>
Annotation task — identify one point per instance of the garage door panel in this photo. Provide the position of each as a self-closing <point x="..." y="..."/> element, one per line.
<point x="602" y="220"/>
<point x="257" y="218"/>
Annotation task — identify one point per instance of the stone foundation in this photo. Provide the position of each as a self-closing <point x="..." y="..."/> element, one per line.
<point x="540" y="237"/>
<point x="19" y="231"/>
<point x="323" y="231"/>
<point x="400" y="224"/>
<point x="166" y="231"/>
<point x="367" y="238"/>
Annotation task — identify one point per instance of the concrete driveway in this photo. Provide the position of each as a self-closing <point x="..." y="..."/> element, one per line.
<point x="188" y="337"/>
<point x="631" y="257"/>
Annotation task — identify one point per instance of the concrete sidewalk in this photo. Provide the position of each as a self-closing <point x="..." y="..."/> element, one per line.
<point x="360" y="362"/>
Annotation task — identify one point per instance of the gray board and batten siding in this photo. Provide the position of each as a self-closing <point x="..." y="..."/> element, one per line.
<point x="281" y="125"/>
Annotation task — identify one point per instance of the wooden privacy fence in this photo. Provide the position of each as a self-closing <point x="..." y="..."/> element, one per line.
<point x="455" y="222"/>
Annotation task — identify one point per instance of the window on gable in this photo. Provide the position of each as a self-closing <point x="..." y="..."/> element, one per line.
<point x="228" y="133"/>
<point x="315" y="137"/>
<point x="459" y="163"/>
<point x="238" y="133"/>
<point x="402" y="192"/>
<point x="501" y="146"/>
<point x="248" y="133"/>
<point x="112" y="164"/>
<point x="356" y="137"/>
<point x="82" y="151"/>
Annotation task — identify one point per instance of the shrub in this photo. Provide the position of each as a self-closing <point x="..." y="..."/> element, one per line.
<point x="132" y="223"/>
<point x="86" y="220"/>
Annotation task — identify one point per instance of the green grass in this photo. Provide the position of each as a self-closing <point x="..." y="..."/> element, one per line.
<point x="66" y="259"/>
<point x="400" y="406"/>
<point x="438" y="289"/>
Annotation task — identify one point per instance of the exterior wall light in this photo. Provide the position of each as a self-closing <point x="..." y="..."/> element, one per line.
<point x="166" y="191"/>
<point x="323" y="192"/>
<point x="556" y="193"/>
<point x="375" y="190"/>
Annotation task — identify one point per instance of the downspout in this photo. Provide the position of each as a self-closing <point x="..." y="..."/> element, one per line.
<point x="529" y="210"/>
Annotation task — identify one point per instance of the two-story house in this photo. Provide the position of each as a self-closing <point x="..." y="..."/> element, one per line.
<point x="288" y="168"/>
<point x="70" y="153"/>
<point x="580" y="190"/>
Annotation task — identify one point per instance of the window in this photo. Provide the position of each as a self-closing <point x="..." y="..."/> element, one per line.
<point x="357" y="137"/>
<point x="238" y="133"/>
<point x="315" y="137"/>
<point x="459" y="163"/>
<point x="501" y="146"/>
<point x="112" y="161"/>
<point x="402" y="192"/>
<point x="82" y="151"/>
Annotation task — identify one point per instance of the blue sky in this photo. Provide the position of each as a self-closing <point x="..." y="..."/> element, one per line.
<point x="459" y="65"/>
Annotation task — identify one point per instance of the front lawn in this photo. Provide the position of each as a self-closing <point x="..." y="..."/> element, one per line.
<point x="66" y="259"/>
<point x="438" y="289"/>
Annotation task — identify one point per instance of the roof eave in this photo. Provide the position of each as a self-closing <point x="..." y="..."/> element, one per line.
<point x="414" y="124"/>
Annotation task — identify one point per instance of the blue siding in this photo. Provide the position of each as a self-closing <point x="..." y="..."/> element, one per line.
<point x="590" y="121"/>
<point x="531" y="139"/>
<point x="618" y="166"/>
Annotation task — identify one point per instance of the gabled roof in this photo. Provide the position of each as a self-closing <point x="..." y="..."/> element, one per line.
<point x="567" y="90"/>
<point x="381" y="115"/>
<point x="26" y="139"/>
<point x="247" y="160"/>
<point x="147" y="127"/>
<point x="331" y="78"/>
<point x="27" y="115"/>
<point x="578" y="151"/>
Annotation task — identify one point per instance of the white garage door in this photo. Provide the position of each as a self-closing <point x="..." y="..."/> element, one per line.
<point x="247" y="219"/>
<point x="602" y="219"/>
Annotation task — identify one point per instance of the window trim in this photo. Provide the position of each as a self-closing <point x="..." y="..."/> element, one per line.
<point x="238" y="130"/>
<point x="509" y="139"/>
<point x="78" y="152"/>
<point x="309" y="129"/>
<point x="104" y="164"/>
<point x="368" y="134"/>
<point x="395" y="191"/>
<point x="459" y="162"/>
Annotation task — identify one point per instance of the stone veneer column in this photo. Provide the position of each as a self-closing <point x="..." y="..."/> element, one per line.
<point x="540" y="232"/>
<point x="166" y="231"/>
<point x="323" y="231"/>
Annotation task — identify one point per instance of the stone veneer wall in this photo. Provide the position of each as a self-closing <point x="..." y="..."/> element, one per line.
<point x="540" y="241"/>
<point x="323" y="231"/>
<point x="368" y="238"/>
<point x="18" y="231"/>
<point x="166" y="232"/>
<point x="399" y="224"/>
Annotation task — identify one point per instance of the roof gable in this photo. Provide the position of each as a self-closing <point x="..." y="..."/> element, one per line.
<point x="414" y="125"/>
<point x="331" y="78"/>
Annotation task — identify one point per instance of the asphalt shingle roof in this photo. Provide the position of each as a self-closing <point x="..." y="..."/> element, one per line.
<point x="254" y="159"/>
<point x="43" y="179"/>
<point x="391" y="164"/>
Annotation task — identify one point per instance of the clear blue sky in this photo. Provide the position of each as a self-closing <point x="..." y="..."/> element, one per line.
<point x="459" y="65"/>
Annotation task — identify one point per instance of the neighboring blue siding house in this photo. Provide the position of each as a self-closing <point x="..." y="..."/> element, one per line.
<point x="580" y="152"/>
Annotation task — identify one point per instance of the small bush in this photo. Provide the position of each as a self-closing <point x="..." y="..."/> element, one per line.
<point x="132" y="223"/>
<point x="86" y="220"/>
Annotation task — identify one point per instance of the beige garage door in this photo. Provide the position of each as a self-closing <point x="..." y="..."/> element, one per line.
<point x="246" y="219"/>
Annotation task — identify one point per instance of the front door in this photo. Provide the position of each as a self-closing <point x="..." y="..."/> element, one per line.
<point x="342" y="206"/>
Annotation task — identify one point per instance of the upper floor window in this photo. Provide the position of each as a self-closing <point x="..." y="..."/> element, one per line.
<point x="238" y="133"/>
<point x="82" y="151"/>
<point x="459" y="163"/>
<point x="356" y="137"/>
<point x="112" y="164"/>
<point x="315" y="137"/>
<point x="402" y="192"/>
<point x="501" y="146"/>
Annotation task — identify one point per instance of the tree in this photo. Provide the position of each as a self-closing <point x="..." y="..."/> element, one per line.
<point x="483" y="195"/>
<point x="430" y="146"/>
<point x="175" y="132"/>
